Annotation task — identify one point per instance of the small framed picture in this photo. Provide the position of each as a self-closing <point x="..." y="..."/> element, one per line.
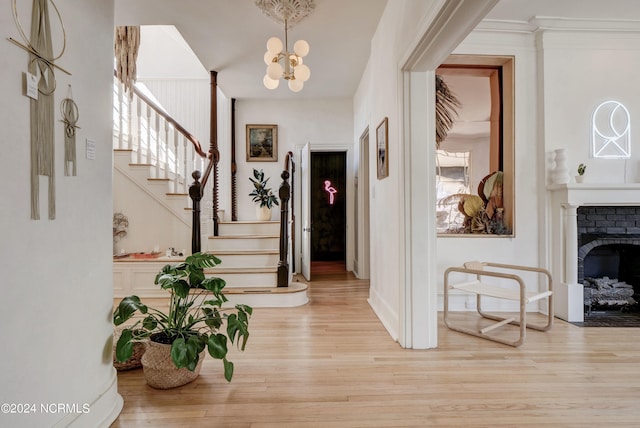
<point x="262" y="143"/>
<point x="382" y="146"/>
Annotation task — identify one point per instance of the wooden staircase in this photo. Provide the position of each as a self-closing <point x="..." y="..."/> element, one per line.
<point x="248" y="251"/>
<point x="159" y="162"/>
<point x="250" y="255"/>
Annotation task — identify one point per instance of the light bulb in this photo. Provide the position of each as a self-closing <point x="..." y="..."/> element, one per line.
<point x="296" y="85"/>
<point x="303" y="73"/>
<point x="274" y="70"/>
<point x="269" y="83"/>
<point x="268" y="57"/>
<point x="274" y="45"/>
<point x="301" y="48"/>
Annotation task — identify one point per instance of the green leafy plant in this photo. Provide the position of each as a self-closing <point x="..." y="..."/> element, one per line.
<point x="261" y="193"/>
<point x="581" y="169"/>
<point x="194" y="320"/>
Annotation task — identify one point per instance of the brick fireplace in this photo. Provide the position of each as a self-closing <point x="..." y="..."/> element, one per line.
<point x="582" y="218"/>
<point x="609" y="255"/>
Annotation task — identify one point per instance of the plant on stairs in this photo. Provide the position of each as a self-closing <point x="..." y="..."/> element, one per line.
<point x="262" y="195"/>
<point x="195" y="320"/>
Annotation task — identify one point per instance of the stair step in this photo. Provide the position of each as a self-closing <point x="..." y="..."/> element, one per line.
<point x="279" y="297"/>
<point x="227" y="228"/>
<point x="246" y="277"/>
<point x="248" y="258"/>
<point x="217" y="244"/>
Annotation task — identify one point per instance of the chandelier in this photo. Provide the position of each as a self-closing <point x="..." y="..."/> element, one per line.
<point x="281" y="63"/>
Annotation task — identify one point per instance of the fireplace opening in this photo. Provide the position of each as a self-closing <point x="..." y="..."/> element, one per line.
<point x="612" y="278"/>
<point x="609" y="261"/>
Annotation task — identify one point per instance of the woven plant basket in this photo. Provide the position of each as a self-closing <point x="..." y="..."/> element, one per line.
<point x="159" y="370"/>
<point x="135" y="361"/>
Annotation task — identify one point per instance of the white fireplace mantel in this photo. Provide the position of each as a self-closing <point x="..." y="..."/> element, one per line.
<point x="579" y="194"/>
<point x="563" y="238"/>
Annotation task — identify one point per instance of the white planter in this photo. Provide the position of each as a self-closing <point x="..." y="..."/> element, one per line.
<point x="263" y="213"/>
<point x="579" y="178"/>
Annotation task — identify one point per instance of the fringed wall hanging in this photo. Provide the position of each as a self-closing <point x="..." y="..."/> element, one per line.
<point x="127" y="43"/>
<point x="70" y="117"/>
<point x="41" y="64"/>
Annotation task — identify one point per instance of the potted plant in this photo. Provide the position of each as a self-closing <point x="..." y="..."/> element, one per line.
<point x="581" y="170"/>
<point x="194" y="320"/>
<point x="262" y="195"/>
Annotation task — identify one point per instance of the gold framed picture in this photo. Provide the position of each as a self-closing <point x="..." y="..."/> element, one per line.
<point x="382" y="149"/>
<point x="262" y="143"/>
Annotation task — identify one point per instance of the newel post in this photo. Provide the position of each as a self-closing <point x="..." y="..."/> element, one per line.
<point x="195" y="193"/>
<point x="283" y="266"/>
<point x="213" y="149"/>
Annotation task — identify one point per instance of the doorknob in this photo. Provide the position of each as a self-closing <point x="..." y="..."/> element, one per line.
<point x="306" y="229"/>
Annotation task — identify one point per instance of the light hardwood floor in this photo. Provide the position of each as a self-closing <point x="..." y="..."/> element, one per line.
<point x="332" y="364"/>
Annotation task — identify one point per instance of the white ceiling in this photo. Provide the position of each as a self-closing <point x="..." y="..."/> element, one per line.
<point x="230" y="36"/>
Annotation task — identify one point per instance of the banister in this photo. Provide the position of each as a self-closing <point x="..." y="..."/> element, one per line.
<point x="189" y="136"/>
<point x="196" y="189"/>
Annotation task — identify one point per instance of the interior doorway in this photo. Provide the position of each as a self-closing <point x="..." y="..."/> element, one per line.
<point x="328" y="200"/>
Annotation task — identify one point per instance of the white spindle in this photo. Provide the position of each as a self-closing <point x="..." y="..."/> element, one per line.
<point x="166" y="149"/>
<point x="186" y="162"/>
<point x="158" y="148"/>
<point x="176" y="151"/>
<point x="129" y="123"/>
<point x="148" y="160"/>
<point x="139" y="124"/>
<point x="120" y="118"/>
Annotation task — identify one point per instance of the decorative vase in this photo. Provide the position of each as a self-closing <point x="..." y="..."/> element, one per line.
<point x="263" y="213"/>
<point x="159" y="370"/>
<point x="560" y="174"/>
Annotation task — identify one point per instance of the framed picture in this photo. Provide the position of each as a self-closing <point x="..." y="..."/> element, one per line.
<point x="262" y="143"/>
<point x="382" y="145"/>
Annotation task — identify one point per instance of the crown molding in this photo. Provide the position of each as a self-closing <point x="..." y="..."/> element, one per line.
<point x="553" y="23"/>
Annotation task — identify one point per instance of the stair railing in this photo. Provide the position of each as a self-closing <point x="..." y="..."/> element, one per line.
<point x="173" y="153"/>
<point x="287" y="222"/>
<point x="157" y="139"/>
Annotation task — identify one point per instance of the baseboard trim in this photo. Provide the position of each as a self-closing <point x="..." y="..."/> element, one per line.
<point x="103" y="410"/>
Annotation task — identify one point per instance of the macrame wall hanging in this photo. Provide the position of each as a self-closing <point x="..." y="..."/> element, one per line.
<point x="70" y="117"/>
<point x="41" y="64"/>
<point x="127" y="43"/>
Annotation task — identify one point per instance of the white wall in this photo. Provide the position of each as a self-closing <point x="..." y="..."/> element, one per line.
<point x="150" y="223"/>
<point x="323" y="123"/>
<point x="581" y="70"/>
<point x="57" y="283"/>
<point x="560" y="78"/>
<point x="524" y="247"/>
<point x="379" y="96"/>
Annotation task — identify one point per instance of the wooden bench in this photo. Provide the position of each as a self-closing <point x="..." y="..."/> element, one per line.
<point x="482" y="288"/>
